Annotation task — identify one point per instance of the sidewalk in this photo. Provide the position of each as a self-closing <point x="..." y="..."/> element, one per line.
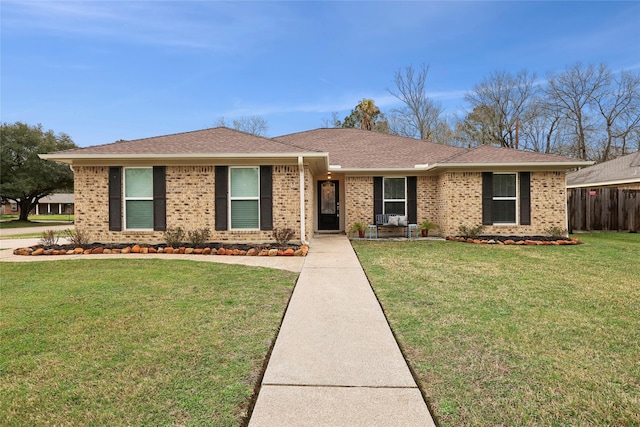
<point x="335" y="361"/>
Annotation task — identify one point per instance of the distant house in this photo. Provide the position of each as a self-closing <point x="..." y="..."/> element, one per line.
<point x="242" y="186"/>
<point x="605" y="196"/>
<point x="623" y="173"/>
<point x="61" y="203"/>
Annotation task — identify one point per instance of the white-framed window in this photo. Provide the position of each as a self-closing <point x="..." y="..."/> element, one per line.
<point x="244" y="198"/>
<point x="394" y="196"/>
<point x="138" y="198"/>
<point x="505" y="198"/>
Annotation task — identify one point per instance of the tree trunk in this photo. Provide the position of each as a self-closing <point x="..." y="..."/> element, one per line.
<point x="25" y="207"/>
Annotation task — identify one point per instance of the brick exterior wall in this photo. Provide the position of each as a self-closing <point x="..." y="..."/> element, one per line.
<point x="450" y="200"/>
<point x="190" y="203"/>
<point x="460" y="196"/>
<point x="455" y="198"/>
<point x="358" y="200"/>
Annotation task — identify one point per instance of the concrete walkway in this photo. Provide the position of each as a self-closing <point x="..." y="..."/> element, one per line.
<point x="335" y="361"/>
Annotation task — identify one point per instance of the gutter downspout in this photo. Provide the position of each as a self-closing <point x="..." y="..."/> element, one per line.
<point x="303" y="231"/>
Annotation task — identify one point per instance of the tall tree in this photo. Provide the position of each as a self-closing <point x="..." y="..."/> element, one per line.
<point x="572" y="91"/>
<point x="420" y="115"/>
<point x="24" y="177"/>
<point x="508" y="97"/>
<point x="255" y="125"/>
<point x="479" y="127"/>
<point x="366" y="115"/>
<point x="619" y="106"/>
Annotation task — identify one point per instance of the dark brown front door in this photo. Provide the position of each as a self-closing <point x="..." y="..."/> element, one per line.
<point x="328" y="205"/>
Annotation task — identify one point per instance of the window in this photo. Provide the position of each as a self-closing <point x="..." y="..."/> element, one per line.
<point x="394" y="196"/>
<point x="244" y="197"/>
<point x="138" y="198"/>
<point x="504" y="198"/>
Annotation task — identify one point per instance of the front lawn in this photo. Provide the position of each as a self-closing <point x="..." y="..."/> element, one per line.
<point x="135" y="342"/>
<point x="28" y="224"/>
<point x="514" y="335"/>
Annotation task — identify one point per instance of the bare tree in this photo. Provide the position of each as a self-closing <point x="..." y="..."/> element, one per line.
<point x="255" y="125"/>
<point x="571" y="92"/>
<point x="543" y="128"/>
<point x="508" y="97"/>
<point x="420" y="114"/>
<point x="619" y="105"/>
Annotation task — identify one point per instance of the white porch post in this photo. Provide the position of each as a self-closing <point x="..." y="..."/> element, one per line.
<point x="303" y="231"/>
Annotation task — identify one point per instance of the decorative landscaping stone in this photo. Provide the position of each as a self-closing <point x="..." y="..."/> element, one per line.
<point x="230" y="249"/>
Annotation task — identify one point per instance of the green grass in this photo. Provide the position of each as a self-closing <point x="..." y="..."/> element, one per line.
<point x="56" y="217"/>
<point x="29" y="224"/>
<point x="23" y="236"/>
<point x="512" y="335"/>
<point x="135" y="342"/>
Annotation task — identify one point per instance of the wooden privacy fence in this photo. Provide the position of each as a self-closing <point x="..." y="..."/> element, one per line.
<point x="603" y="209"/>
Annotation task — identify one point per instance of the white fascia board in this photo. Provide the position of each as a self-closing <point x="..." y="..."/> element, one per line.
<point x="555" y="165"/>
<point x="605" y="183"/>
<point x="69" y="158"/>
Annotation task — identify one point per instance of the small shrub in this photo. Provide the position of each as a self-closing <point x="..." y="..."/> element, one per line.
<point x="470" y="232"/>
<point x="49" y="238"/>
<point x="557" y="233"/>
<point x="174" y="236"/>
<point x="282" y="235"/>
<point x="357" y="228"/>
<point x="76" y="237"/>
<point x="199" y="236"/>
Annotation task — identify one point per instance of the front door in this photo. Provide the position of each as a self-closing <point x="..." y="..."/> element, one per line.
<point x="328" y="205"/>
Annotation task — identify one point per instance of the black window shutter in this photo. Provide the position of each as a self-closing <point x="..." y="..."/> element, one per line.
<point x="412" y="199"/>
<point x="377" y="197"/>
<point x="159" y="198"/>
<point x="221" y="197"/>
<point x="115" y="198"/>
<point x="487" y="197"/>
<point x="525" y="198"/>
<point x="266" y="198"/>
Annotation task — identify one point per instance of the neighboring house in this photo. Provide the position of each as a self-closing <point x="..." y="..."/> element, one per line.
<point x="53" y="204"/>
<point x="241" y="186"/>
<point x="623" y="173"/>
<point x="606" y="196"/>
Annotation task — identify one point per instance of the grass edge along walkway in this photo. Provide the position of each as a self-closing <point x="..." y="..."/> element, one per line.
<point x="508" y="335"/>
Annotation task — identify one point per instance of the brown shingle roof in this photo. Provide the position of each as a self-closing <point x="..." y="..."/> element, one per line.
<point x="624" y="169"/>
<point x="355" y="148"/>
<point x="490" y="154"/>
<point x="207" y="141"/>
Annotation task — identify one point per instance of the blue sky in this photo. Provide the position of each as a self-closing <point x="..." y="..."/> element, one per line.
<point x="107" y="70"/>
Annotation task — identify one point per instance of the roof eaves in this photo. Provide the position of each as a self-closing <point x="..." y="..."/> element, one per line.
<point x="604" y="183"/>
<point x="563" y="165"/>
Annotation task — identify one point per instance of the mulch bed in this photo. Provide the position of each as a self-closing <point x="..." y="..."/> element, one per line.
<point x="516" y="240"/>
<point x="226" y="249"/>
